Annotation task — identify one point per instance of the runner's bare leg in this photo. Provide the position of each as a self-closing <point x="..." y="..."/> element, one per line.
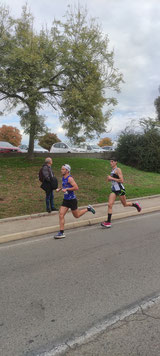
<point x="62" y="212"/>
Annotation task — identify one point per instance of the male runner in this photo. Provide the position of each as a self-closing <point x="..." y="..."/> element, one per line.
<point x="117" y="187"/>
<point x="69" y="202"/>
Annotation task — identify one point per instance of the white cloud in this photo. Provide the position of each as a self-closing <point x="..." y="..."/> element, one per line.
<point x="60" y="130"/>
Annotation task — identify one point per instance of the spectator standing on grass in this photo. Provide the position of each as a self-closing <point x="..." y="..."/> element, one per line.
<point x="118" y="189"/>
<point x="47" y="186"/>
<point x="69" y="186"/>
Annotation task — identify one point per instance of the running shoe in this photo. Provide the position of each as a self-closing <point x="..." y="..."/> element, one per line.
<point x="90" y="208"/>
<point x="60" y="235"/>
<point x="106" y="224"/>
<point x="137" y="206"/>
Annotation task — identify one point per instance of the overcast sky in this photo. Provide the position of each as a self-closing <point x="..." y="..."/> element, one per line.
<point x="133" y="28"/>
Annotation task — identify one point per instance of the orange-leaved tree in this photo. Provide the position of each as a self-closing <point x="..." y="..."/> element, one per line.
<point x="48" y="140"/>
<point x="10" y="134"/>
<point x="105" y="142"/>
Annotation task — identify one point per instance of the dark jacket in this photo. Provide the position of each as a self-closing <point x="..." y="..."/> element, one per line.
<point x="47" y="172"/>
<point x="48" y="175"/>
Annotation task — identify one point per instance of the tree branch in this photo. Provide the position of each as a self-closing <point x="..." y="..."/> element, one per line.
<point x="8" y="95"/>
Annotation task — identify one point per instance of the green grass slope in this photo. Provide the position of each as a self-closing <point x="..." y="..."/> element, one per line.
<point x="20" y="192"/>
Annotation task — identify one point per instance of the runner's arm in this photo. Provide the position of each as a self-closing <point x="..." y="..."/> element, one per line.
<point x="119" y="174"/>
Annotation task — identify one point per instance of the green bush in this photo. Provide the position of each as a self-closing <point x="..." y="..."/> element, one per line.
<point x="141" y="151"/>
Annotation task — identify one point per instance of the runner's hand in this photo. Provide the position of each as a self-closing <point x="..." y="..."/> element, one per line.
<point x="58" y="189"/>
<point x="109" y="178"/>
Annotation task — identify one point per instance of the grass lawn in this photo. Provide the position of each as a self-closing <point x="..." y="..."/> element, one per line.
<point x="21" y="194"/>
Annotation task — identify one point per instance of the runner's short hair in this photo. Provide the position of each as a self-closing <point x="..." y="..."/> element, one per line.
<point x="113" y="159"/>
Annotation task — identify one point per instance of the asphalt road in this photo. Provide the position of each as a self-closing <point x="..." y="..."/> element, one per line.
<point x="53" y="291"/>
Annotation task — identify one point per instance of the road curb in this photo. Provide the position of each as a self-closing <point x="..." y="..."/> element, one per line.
<point x="34" y="216"/>
<point x="72" y="225"/>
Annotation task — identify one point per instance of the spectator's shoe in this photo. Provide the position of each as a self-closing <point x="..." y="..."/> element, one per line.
<point x="106" y="224"/>
<point x="137" y="206"/>
<point x="54" y="209"/>
<point x="48" y="210"/>
<point x="90" y="208"/>
<point x="60" y="235"/>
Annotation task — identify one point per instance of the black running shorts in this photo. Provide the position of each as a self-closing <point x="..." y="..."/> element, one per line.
<point x="119" y="192"/>
<point x="71" y="204"/>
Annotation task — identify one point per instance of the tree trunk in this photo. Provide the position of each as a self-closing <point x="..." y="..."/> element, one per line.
<point x="32" y="114"/>
<point x="30" y="154"/>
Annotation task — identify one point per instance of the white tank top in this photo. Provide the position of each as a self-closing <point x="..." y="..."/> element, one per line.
<point x="116" y="185"/>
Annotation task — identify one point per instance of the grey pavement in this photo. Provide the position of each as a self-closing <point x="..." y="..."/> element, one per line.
<point x="39" y="224"/>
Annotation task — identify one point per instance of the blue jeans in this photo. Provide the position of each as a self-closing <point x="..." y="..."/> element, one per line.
<point x="50" y="200"/>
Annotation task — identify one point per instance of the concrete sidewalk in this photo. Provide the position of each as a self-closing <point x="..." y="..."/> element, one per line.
<point x="39" y="224"/>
